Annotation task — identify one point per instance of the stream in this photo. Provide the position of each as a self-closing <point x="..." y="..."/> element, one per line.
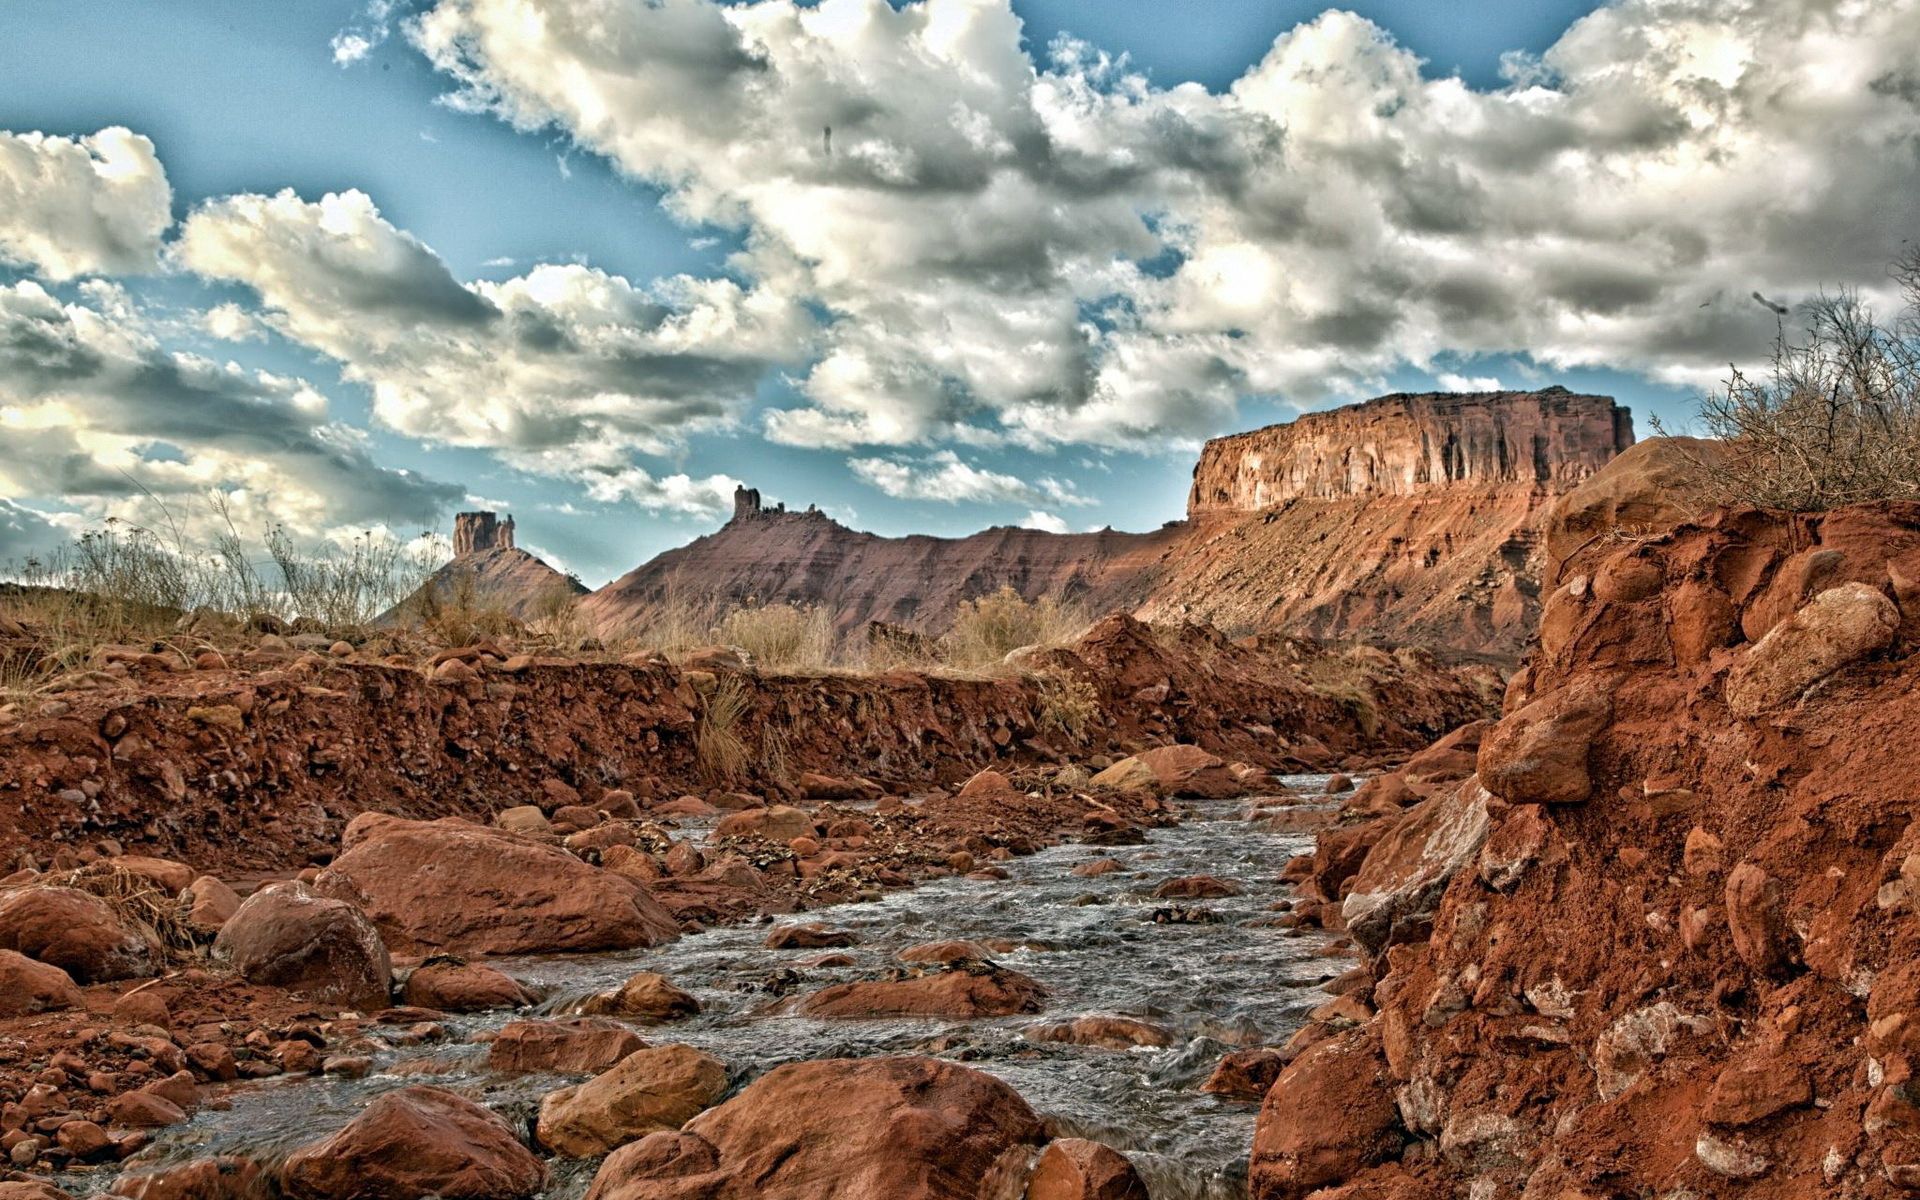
<point x="1093" y="943"/>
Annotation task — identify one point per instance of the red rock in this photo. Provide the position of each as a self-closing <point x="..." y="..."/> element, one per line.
<point x="647" y="996"/>
<point x="1538" y="755"/>
<point x="1754" y="914"/>
<point x="287" y="936"/>
<point x="1190" y="771"/>
<point x="209" y="904"/>
<point x="578" y="1046"/>
<point x="79" y="933"/>
<point x="1195" y="887"/>
<point x="451" y="887"/>
<point x="1840" y="626"/>
<point x="899" y="1128"/>
<point x="1099" y="866"/>
<point x="84" y="1140"/>
<point x="143" y="1006"/>
<point x="1330" y="1114"/>
<point x="30" y="1190"/>
<point x="1245" y="1074"/>
<point x="1074" y="1169"/>
<point x="161" y="874"/>
<point x="415" y="1142"/>
<point x="651" y="1090"/>
<point x="1338" y="784"/>
<point x="960" y="994"/>
<point x="463" y="987"/>
<point x="1756" y="1087"/>
<point x="28" y="987"/>
<point x="214" y="1061"/>
<point x="637" y="865"/>
<point x="779" y="823"/>
<point x="812" y="936"/>
<point x="943" y="952"/>
<point x="144" y="1110"/>
<point x="1113" y="1033"/>
<point x="201" y="1179"/>
<point x="985" y="783"/>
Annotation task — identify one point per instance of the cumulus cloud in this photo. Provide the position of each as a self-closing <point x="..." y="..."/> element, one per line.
<point x="82" y="206"/>
<point x="1045" y="521"/>
<point x="1468" y="383"/>
<point x="230" y="323"/>
<point x="1033" y="252"/>
<point x="945" y="476"/>
<point x="353" y="43"/>
<point x="96" y="414"/>
<point x="566" y="369"/>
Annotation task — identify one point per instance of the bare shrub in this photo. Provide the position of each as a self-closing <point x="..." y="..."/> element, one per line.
<point x="986" y="630"/>
<point x="1835" y="420"/>
<point x="456" y="614"/>
<point x="781" y="637"/>
<point x="1067" y="705"/>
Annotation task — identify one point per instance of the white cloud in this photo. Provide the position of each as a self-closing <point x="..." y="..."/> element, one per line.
<point x="367" y="34"/>
<point x="944" y="476"/>
<point x="1451" y="382"/>
<point x="82" y="206"/>
<point x="1045" y="521"/>
<point x="96" y="415"/>
<point x="231" y="323"/>
<point x="973" y="222"/>
<point x="566" y="370"/>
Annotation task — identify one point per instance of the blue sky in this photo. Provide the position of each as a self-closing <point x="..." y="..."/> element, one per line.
<point x="922" y="389"/>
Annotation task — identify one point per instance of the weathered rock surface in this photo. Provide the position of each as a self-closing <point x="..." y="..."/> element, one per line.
<point x="841" y="1129"/>
<point x="28" y="986"/>
<point x="452" y="887"/>
<point x="575" y="1046"/>
<point x="289" y="936"/>
<point x="647" y="996"/>
<point x="968" y="991"/>
<point x="464" y="987"/>
<point x="78" y="932"/>
<point x="1076" y="1169"/>
<point x="412" y="1143"/>
<point x="658" y="1088"/>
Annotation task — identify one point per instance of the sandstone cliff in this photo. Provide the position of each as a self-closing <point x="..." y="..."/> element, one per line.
<point x="489" y="571"/>
<point x="1407" y="519"/>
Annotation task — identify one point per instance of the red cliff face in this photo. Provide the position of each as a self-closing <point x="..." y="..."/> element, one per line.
<point x="1408" y="519"/>
<point x="1408" y="445"/>
<point x="475" y="532"/>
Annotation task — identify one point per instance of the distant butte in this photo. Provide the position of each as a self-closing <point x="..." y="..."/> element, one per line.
<point x="1411" y="518"/>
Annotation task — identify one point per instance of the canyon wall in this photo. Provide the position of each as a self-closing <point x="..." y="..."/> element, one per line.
<point x="1407" y="519"/>
<point x="1406" y="445"/>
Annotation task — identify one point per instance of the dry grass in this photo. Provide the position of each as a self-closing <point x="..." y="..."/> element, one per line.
<point x="458" y="615"/>
<point x="716" y="738"/>
<point x="1348" y="678"/>
<point x="1066" y="705"/>
<point x="1835" y="420"/>
<point x="131" y="896"/>
<point x="986" y="630"/>
<point x="782" y="637"/>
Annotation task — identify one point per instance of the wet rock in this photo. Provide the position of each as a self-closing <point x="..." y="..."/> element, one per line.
<point x="1329" y="1115"/>
<point x="779" y="823"/>
<point x="1338" y="785"/>
<point x="287" y="936"/>
<point x="579" y="1046"/>
<point x="21" y="1189"/>
<point x="414" y="1142"/>
<point x="144" y="1110"/>
<point x="28" y="987"/>
<point x="1538" y="755"/>
<point x="78" y="932"/>
<point x="1840" y="626"/>
<point x="809" y="937"/>
<point x="223" y="1178"/>
<point x="1076" y="1169"/>
<point x="973" y="990"/>
<point x="1112" y="1033"/>
<point x="451" y="887"/>
<point x="944" y="952"/>
<point x="1099" y="866"/>
<point x="1195" y="887"/>
<point x="899" y="1128"/>
<point x="1192" y="772"/>
<point x="457" y="986"/>
<point x="655" y="1089"/>
<point x="209" y="904"/>
<point x="1245" y="1074"/>
<point x="647" y="996"/>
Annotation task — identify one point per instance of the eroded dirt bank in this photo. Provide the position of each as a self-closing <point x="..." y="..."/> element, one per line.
<point x="1662" y="940"/>
<point x="259" y="762"/>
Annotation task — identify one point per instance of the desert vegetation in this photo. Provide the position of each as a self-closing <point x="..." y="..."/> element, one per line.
<point x="1833" y="420"/>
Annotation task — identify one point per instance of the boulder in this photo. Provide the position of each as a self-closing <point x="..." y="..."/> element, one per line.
<point x="1195" y="887"/>
<point x="456" y="986"/>
<point x="1190" y="771"/>
<point x="1127" y="775"/>
<point x="780" y="823"/>
<point x="812" y="936"/>
<point x="1245" y="1074"/>
<point x="647" y="996"/>
<point x="1328" y="1116"/>
<point x="452" y="887"/>
<point x="1400" y="881"/>
<point x="208" y="904"/>
<point x="1538" y="755"/>
<point x="222" y="1178"/>
<point x="161" y="874"/>
<point x="287" y="936"/>
<point x="1112" y="1033"/>
<point x="578" y="1046"/>
<point x="974" y="990"/>
<point x="903" y="1128"/>
<point x="524" y="818"/>
<point x="1840" y="626"/>
<point x="80" y="933"/>
<point x="415" y="1142"/>
<point x="944" y="952"/>
<point x="1076" y="1169"/>
<point x="28" y="987"/>
<point x="26" y="1189"/>
<point x="658" y="1088"/>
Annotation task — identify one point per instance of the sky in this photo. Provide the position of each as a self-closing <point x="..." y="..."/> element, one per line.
<point x="931" y="266"/>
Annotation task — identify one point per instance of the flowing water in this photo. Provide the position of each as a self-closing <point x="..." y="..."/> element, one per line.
<point x="1234" y="982"/>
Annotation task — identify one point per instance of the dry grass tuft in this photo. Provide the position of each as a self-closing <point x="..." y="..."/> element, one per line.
<point x="986" y="630"/>
<point x="781" y="637"/>
<point x="1067" y="705"/>
<point x="716" y="738"/>
<point x="132" y="897"/>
